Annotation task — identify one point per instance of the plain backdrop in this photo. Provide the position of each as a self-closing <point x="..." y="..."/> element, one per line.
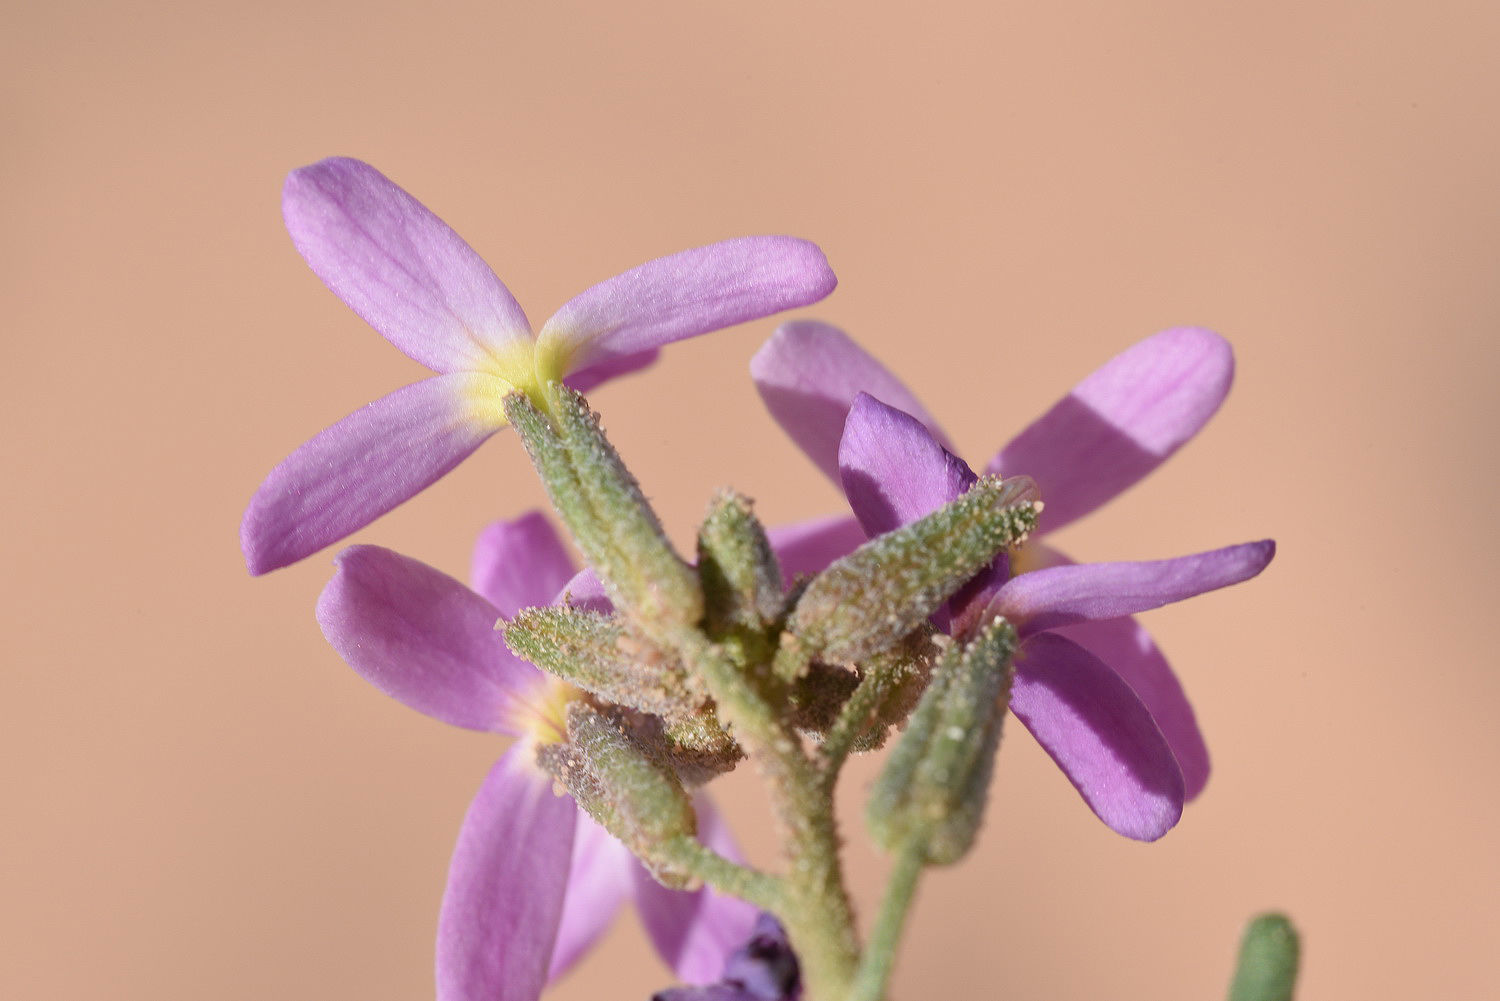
<point x="201" y="801"/>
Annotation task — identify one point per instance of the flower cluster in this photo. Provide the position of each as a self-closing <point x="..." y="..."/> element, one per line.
<point x="1090" y="684"/>
<point x="632" y="682"/>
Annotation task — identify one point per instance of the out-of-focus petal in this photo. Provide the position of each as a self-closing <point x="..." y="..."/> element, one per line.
<point x="1127" y="648"/>
<point x="809" y="373"/>
<point x="599" y="879"/>
<point x="1121" y="422"/>
<point x="808" y="547"/>
<point x="1083" y="592"/>
<point x="892" y="468"/>
<point x="587" y="592"/>
<point x="706" y="992"/>
<point x="765" y="965"/>
<point x="505" y="886"/>
<point x="586" y="379"/>
<point x="521" y="563"/>
<point x="426" y="640"/>
<point x="1100" y="734"/>
<point x="696" y="932"/>
<point x="352" y="473"/>
<point x="403" y="270"/>
<point x="684" y="295"/>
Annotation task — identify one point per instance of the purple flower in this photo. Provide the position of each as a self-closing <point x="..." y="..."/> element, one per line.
<point x="534" y="882"/>
<point x="1089" y="683"/>
<point x="763" y="969"/>
<point x="426" y="291"/>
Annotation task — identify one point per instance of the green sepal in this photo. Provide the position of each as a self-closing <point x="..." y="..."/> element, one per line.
<point x="933" y="789"/>
<point x="870" y="599"/>
<point x="631" y="793"/>
<point x="741" y="580"/>
<point x="603" y="505"/>
<point x="595" y="652"/>
<point x="1270" y="953"/>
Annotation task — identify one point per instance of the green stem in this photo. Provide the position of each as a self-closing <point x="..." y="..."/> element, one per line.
<point x="815" y="908"/>
<point x="761" y="889"/>
<point x="880" y="952"/>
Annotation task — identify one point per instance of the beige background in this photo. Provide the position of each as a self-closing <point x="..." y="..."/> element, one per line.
<point x="201" y="801"/>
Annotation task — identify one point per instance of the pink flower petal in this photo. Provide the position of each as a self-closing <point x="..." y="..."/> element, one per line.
<point x="520" y="564"/>
<point x="805" y="548"/>
<point x="1100" y="735"/>
<point x="599" y="879"/>
<point x="1063" y="595"/>
<point x="426" y="640"/>
<point x="684" y="295"/>
<point x="892" y="468"/>
<point x="809" y="373"/>
<point x="586" y="591"/>
<point x="1121" y="422"/>
<point x="358" y="469"/>
<point x="1127" y="648"/>
<point x="401" y="268"/>
<point x="695" y="932"/>
<point x="505" y="886"/>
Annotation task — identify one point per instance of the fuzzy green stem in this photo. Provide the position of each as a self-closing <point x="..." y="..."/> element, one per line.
<point x="815" y="910"/>
<point x="761" y="889"/>
<point x="880" y="953"/>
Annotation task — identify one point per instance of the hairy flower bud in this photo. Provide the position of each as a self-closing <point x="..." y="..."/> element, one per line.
<point x="868" y="600"/>
<point x="603" y="505"/>
<point x="596" y="653"/>
<point x="742" y="585"/>
<point x="933" y="789"/>
<point x="633" y="796"/>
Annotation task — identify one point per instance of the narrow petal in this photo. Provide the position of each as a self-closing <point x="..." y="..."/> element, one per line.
<point x="1127" y="648"/>
<point x="586" y="379"/>
<point x="809" y="373"/>
<point x="1121" y="422"/>
<point x="892" y="468"/>
<point x="696" y="932"/>
<point x="520" y="564"/>
<point x="599" y="879"/>
<point x="426" y="640"/>
<point x="1083" y="592"/>
<point x="505" y="886"/>
<point x="684" y="295"/>
<point x="1096" y="729"/>
<point x="402" y="269"/>
<point x="366" y="464"/>
<point x="804" y="548"/>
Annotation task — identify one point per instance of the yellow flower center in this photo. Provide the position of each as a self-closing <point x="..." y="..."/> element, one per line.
<point x="546" y="719"/>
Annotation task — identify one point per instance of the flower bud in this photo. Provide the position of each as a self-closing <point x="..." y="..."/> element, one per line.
<point x="868" y="600"/>
<point x="636" y="798"/>
<point x="1269" y="954"/>
<point x="603" y="505"/>
<point x="742" y="586"/>
<point x="596" y="653"/>
<point x="933" y="789"/>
